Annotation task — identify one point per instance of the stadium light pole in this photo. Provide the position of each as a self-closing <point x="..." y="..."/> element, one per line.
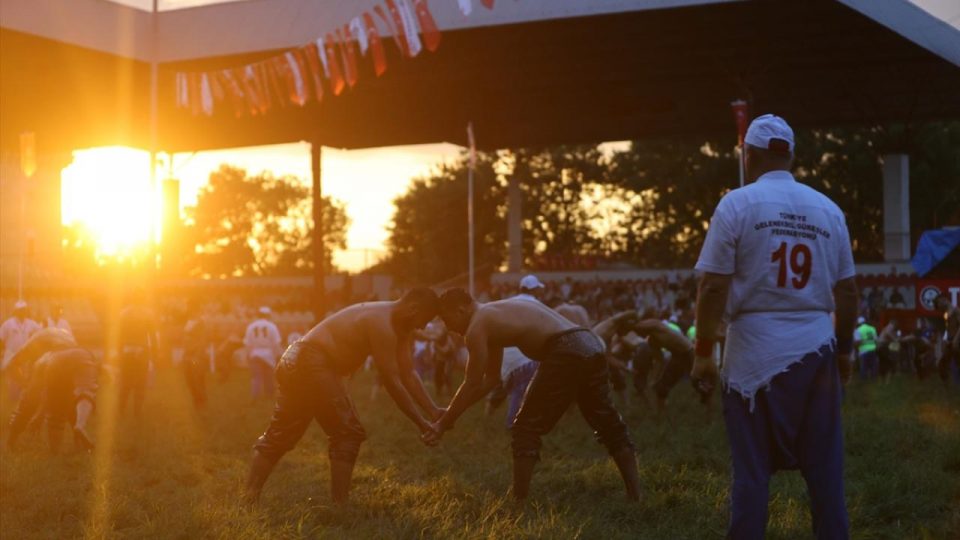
<point x="319" y="257"/>
<point x="740" y="116"/>
<point x="28" y="166"/>
<point x="154" y="248"/>
<point x="470" y="223"/>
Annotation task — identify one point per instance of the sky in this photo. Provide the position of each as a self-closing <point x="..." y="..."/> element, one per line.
<point x="367" y="181"/>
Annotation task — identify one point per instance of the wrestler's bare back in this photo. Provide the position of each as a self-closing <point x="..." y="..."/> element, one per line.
<point x="517" y="322"/>
<point x="347" y="336"/>
<point x="575" y="313"/>
<point x="663" y="336"/>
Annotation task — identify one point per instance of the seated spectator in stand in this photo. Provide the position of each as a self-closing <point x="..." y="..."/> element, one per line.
<point x="876" y="303"/>
<point x="896" y="299"/>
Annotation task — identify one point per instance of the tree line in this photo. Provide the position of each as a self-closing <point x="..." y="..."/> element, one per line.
<point x="646" y="203"/>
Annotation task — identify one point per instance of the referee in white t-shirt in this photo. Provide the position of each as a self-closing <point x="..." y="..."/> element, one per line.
<point x="776" y="263"/>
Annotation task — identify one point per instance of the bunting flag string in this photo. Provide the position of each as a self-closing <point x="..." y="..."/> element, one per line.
<point x="332" y="62"/>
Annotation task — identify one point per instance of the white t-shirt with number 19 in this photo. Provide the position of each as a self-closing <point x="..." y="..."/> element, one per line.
<point x="786" y="245"/>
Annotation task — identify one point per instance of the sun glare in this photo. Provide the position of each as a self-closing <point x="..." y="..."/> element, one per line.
<point x="107" y="191"/>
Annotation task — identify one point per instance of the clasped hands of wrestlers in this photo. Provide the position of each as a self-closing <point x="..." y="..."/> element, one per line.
<point x="431" y="433"/>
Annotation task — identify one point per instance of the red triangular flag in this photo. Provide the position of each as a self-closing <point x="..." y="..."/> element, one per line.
<point x="336" y="76"/>
<point x="349" y="56"/>
<point x="215" y="86"/>
<point x="266" y="81"/>
<point x="294" y="77"/>
<point x="395" y="28"/>
<point x="376" y="46"/>
<point x="233" y="91"/>
<point x="431" y="34"/>
<point x="246" y="76"/>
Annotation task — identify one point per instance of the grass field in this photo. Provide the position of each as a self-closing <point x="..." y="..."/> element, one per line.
<point x="177" y="474"/>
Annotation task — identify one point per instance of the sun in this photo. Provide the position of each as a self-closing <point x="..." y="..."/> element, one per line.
<point x="107" y="191"/>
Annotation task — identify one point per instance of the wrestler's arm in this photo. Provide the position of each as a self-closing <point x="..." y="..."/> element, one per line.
<point x="482" y="376"/>
<point x="617" y="363"/>
<point x="607" y="328"/>
<point x="711" y="301"/>
<point x="26" y="356"/>
<point x="661" y="333"/>
<point x="385" y="357"/>
<point x="412" y="382"/>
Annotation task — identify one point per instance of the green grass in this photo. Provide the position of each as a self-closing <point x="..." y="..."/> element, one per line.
<point x="177" y="474"/>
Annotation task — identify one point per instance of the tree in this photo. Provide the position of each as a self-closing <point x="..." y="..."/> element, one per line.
<point x="680" y="181"/>
<point x="571" y="206"/>
<point x="651" y="204"/>
<point x="258" y="225"/>
<point x="428" y="236"/>
<point x="568" y="208"/>
<point x="685" y="178"/>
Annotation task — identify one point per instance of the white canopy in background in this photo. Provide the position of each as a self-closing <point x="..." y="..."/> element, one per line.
<point x="191" y="29"/>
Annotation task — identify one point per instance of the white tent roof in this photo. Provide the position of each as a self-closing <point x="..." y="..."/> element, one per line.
<point x="223" y="27"/>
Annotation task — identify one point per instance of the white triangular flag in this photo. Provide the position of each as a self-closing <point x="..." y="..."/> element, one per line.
<point x="322" y="52"/>
<point x="299" y="84"/>
<point x="359" y="33"/>
<point x="410" y="28"/>
<point x="206" y="96"/>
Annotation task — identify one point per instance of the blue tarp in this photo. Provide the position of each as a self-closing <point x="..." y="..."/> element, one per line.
<point x="934" y="246"/>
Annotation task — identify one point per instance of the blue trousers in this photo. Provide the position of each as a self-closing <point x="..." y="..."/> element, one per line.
<point x="795" y="424"/>
<point x="869" y="365"/>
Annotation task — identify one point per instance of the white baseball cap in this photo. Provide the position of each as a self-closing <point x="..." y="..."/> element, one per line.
<point x="767" y="127"/>
<point x="530" y="281"/>
<point x="861" y="320"/>
<point x="264" y="310"/>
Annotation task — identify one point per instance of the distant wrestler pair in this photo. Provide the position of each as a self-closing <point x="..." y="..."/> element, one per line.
<point x="572" y="368"/>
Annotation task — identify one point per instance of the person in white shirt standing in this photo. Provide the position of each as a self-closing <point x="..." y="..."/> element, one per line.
<point x="777" y="261"/>
<point x="14" y="332"/>
<point x="262" y="341"/>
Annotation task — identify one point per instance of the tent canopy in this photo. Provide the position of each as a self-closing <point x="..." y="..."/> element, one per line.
<point x="525" y="73"/>
<point x="938" y="250"/>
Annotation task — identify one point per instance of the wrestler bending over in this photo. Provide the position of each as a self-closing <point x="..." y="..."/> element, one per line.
<point x="309" y="377"/>
<point x="572" y="368"/>
<point x="659" y="336"/>
<point x="61" y="386"/>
